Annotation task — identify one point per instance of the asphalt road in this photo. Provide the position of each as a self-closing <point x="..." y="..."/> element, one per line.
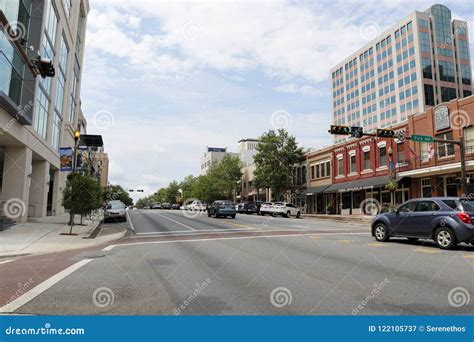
<point x="195" y="265"/>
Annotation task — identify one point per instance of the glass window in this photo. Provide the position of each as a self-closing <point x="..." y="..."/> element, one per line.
<point x="469" y="139"/>
<point x="328" y="169"/>
<point x="427" y="206"/>
<point x="367" y="160"/>
<point x="382" y="156"/>
<point x="401" y="152"/>
<point x="340" y="170"/>
<point x="445" y="149"/>
<point x="353" y="164"/>
<point x="407" y="207"/>
<point x="426" y="187"/>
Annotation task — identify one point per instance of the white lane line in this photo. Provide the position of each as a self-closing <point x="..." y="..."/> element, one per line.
<point x="108" y="248"/>
<point x="231" y="238"/>
<point x="36" y="291"/>
<point x="6" y="261"/>
<point x="182" y="224"/>
<point x="329" y="228"/>
<point x="130" y="221"/>
<point x="195" y="232"/>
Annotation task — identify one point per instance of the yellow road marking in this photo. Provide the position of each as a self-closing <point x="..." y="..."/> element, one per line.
<point x="377" y="244"/>
<point x="345" y="241"/>
<point x="239" y="225"/>
<point x="426" y="250"/>
<point x="469" y="256"/>
<point x="316" y="237"/>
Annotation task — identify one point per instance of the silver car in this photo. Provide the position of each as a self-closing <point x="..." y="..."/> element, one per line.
<point x="115" y="210"/>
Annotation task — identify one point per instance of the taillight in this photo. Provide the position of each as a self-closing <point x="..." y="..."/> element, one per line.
<point x="466" y="218"/>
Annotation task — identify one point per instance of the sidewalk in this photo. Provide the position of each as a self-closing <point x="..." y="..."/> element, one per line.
<point x="43" y="236"/>
<point x="343" y="218"/>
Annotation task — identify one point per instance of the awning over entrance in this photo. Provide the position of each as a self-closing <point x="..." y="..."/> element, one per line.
<point x="315" y="190"/>
<point x="360" y="184"/>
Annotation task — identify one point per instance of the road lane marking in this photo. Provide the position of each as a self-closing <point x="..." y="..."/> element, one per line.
<point x="228" y="238"/>
<point x="377" y="244"/>
<point x="130" y="220"/>
<point x="36" y="291"/>
<point x="316" y="237"/>
<point x="426" y="250"/>
<point x="6" y="261"/>
<point x="240" y="225"/>
<point x="182" y="224"/>
<point x="345" y="241"/>
<point x="469" y="256"/>
<point x="195" y="232"/>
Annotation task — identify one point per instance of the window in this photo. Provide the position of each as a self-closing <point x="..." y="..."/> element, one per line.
<point x="445" y="149"/>
<point x="425" y="42"/>
<point x="469" y="139"/>
<point x="447" y="94"/>
<point x="425" y="187"/>
<point x="353" y="163"/>
<point x="367" y="160"/>
<point x="328" y="169"/>
<point x="429" y="95"/>
<point x="313" y="171"/>
<point x="408" y="207"/>
<point x="401" y="152"/>
<point x="382" y="156"/>
<point x="340" y="170"/>
<point x="318" y="174"/>
<point x="446" y="71"/>
<point x="67" y="6"/>
<point x="427" y="206"/>
<point x="41" y="114"/>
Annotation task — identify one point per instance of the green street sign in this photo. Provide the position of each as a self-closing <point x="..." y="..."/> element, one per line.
<point x="421" y="138"/>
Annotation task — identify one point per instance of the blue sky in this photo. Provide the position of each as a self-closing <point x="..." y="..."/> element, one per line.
<point x="162" y="80"/>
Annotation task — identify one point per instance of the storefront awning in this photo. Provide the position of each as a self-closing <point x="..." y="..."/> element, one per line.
<point x="360" y="184"/>
<point x="315" y="190"/>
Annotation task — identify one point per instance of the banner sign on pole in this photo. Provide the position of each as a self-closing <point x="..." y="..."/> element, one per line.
<point x="65" y="159"/>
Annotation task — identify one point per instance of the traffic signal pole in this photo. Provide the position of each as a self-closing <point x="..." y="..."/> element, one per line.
<point x="357" y="132"/>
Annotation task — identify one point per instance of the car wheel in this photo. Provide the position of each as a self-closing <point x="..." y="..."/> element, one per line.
<point x="288" y="214"/>
<point x="208" y="214"/>
<point x="298" y="214"/>
<point x="233" y="216"/>
<point x="445" y="238"/>
<point x="412" y="239"/>
<point x="381" y="232"/>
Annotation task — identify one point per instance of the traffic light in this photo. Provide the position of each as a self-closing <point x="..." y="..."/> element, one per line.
<point x="45" y="67"/>
<point x="357" y="132"/>
<point x="340" y="130"/>
<point x="385" y="133"/>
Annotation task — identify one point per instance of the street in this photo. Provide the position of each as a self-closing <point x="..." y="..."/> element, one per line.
<point x="180" y="263"/>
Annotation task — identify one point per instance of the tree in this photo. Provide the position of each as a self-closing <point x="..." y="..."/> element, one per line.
<point x="172" y="192"/>
<point x="227" y="175"/>
<point x="82" y="195"/>
<point x="186" y="186"/>
<point x="276" y="155"/>
<point x="117" y="193"/>
<point x="205" y="189"/>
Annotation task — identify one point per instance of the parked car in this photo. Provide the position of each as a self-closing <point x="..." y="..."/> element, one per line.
<point x="196" y="205"/>
<point x="115" y="210"/>
<point x="155" y="206"/>
<point x="166" y="205"/>
<point x="175" y="206"/>
<point x="266" y="208"/>
<point x="247" y="208"/>
<point x="446" y="220"/>
<point x="285" y="209"/>
<point x="222" y="208"/>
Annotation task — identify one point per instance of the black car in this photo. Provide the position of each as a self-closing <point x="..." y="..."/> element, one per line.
<point x="446" y="220"/>
<point x="166" y="205"/>
<point x="221" y="208"/>
<point x="175" y="206"/>
<point x="248" y="208"/>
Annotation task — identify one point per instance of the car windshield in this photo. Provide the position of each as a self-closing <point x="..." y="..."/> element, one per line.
<point x="467" y="205"/>
<point x="115" y="206"/>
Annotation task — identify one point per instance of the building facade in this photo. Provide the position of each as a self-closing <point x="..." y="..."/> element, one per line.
<point x="212" y="155"/>
<point x="417" y="63"/>
<point x="38" y="115"/>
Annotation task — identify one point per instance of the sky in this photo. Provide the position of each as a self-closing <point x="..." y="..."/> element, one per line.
<point x="164" y="79"/>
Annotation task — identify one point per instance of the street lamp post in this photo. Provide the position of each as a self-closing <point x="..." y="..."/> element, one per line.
<point x="77" y="136"/>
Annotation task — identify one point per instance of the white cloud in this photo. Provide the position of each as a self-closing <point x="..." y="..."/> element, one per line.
<point x="292" y="88"/>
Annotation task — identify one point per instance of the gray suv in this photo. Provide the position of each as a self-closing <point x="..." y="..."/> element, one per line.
<point x="446" y="220"/>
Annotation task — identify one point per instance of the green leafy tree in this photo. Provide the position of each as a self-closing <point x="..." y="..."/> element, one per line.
<point x="117" y="193"/>
<point x="227" y="175"/>
<point x="276" y="155"/>
<point x="205" y="189"/>
<point x="160" y="195"/>
<point x="172" y="192"/>
<point x="186" y="186"/>
<point x="82" y="195"/>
